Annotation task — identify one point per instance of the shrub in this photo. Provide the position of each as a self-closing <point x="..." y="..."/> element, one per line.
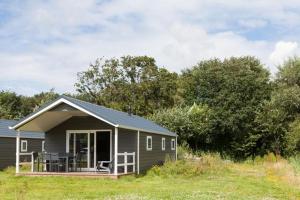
<point x="207" y="163"/>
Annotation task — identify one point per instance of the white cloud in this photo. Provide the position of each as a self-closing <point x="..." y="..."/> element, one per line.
<point x="253" y="23"/>
<point x="283" y="50"/>
<point x="49" y="42"/>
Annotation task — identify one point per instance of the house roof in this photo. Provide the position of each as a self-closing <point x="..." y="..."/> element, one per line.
<point x="110" y="116"/>
<point x="6" y="132"/>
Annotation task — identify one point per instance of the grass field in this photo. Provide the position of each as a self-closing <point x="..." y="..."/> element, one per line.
<point x="208" y="178"/>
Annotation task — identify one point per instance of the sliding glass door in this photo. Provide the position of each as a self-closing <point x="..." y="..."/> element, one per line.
<point x="79" y="146"/>
<point x="89" y="147"/>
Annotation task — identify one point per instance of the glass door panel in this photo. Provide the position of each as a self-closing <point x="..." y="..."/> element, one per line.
<point x="92" y="151"/>
<point x="71" y="143"/>
<point x="81" y="149"/>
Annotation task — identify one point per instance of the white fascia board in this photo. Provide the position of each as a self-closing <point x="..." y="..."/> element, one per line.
<point x="62" y="100"/>
<point x="145" y="130"/>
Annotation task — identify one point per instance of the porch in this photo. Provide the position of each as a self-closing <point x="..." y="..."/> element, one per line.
<point x="42" y="164"/>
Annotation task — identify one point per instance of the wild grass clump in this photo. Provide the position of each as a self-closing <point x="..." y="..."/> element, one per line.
<point x="295" y="162"/>
<point x="207" y="163"/>
<point x="10" y="170"/>
<point x="276" y="168"/>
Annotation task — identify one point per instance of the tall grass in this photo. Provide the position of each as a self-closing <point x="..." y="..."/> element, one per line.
<point x="207" y="163"/>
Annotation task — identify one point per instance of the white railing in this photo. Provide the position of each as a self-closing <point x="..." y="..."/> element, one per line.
<point x="126" y="163"/>
<point x="32" y="159"/>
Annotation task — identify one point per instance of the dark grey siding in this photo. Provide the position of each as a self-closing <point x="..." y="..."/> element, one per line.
<point x="8" y="150"/>
<point x="127" y="140"/>
<point x="55" y="139"/>
<point x="156" y="155"/>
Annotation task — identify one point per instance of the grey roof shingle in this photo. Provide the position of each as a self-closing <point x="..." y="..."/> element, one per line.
<point x="6" y="132"/>
<point x="115" y="117"/>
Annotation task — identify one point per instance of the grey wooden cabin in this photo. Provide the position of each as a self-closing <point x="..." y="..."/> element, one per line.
<point x="29" y="142"/>
<point x="130" y="142"/>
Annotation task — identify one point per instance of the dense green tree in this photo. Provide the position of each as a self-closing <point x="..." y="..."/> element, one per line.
<point x="278" y="120"/>
<point x="234" y="90"/>
<point x="190" y="123"/>
<point x="10" y="105"/>
<point x="134" y="82"/>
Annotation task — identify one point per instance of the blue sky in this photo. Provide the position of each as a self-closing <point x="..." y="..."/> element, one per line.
<point x="43" y="44"/>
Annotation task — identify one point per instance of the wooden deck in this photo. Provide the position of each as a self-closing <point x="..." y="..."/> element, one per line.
<point x="74" y="174"/>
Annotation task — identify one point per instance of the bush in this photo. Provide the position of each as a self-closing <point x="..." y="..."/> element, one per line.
<point x="207" y="163"/>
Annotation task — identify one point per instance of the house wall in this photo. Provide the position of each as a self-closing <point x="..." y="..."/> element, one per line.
<point x="155" y="156"/>
<point x="8" y="150"/>
<point x="55" y="140"/>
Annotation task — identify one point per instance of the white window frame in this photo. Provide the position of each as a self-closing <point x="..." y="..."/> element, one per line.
<point x="147" y="146"/>
<point x="43" y="145"/>
<point x="163" y="144"/>
<point x="173" y="144"/>
<point x="22" y="145"/>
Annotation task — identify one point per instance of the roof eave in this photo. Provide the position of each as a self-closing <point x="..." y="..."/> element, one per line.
<point x="55" y="103"/>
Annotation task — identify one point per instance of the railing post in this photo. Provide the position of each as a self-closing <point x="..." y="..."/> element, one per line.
<point x="32" y="162"/>
<point x="18" y="152"/>
<point x="133" y="160"/>
<point x="116" y="152"/>
<point x="125" y="162"/>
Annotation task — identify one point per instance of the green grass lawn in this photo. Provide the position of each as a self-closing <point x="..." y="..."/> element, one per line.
<point x="226" y="181"/>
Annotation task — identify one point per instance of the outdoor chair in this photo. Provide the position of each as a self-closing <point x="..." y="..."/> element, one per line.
<point x="54" y="162"/>
<point x="105" y="166"/>
<point x="72" y="162"/>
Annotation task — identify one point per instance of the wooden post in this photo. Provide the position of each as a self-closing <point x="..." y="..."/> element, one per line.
<point x="176" y="148"/>
<point x="125" y="162"/>
<point x="138" y="153"/>
<point x="116" y="152"/>
<point x="18" y="152"/>
<point x="133" y="160"/>
<point x="32" y="162"/>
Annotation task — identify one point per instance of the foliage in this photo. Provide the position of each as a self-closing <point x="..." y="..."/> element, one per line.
<point x="190" y="124"/>
<point x="278" y="121"/>
<point x="128" y="83"/>
<point x="13" y="106"/>
<point x="233" y="90"/>
<point x="10" y="105"/>
<point x="208" y="163"/>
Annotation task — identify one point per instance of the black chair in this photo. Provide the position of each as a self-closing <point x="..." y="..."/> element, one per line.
<point x="71" y="162"/>
<point x="54" y="162"/>
<point x="79" y="161"/>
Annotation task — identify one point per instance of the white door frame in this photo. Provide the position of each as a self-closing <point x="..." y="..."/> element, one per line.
<point x="89" y="168"/>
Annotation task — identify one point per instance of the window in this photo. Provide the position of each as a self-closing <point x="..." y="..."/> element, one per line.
<point x="23" y="145"/>
<point x="163" y="144"/>
<point x="149" y="143"/>
<point x="43" y="145"/>
<point x="173" y="144"/>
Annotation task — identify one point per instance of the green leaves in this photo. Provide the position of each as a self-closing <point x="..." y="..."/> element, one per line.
<point x="134" y="82"/>
<point x="233" y="90"/>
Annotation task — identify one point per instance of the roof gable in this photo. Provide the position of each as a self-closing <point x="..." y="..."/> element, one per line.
<point x="110" y="116"/>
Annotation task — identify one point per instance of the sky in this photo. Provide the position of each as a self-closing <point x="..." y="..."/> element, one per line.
<point x="43" y="44"/>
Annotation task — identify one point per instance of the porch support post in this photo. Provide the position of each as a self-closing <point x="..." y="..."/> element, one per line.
<point x="176" y="147"/>
<point x="18" y="152"/>
<point x="138" y="153"/>
<point x="116" y="152"/>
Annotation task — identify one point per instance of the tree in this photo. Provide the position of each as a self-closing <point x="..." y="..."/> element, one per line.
<point x="134" y="82"/>
<point x="234" y="90"/>
<point x="10" y="105"/>
<point x="278" y="120"/>
<point x="190" y="123"/>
